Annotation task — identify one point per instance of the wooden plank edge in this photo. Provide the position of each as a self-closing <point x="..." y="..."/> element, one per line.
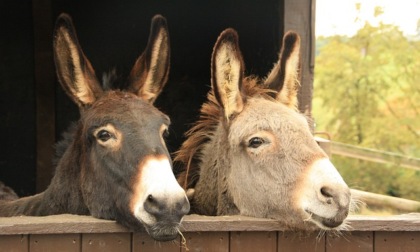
<point x="58" y="224"/>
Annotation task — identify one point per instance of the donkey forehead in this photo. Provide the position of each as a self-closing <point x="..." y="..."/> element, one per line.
<point x="124" y="108"/>
<point x="262" y="114"/>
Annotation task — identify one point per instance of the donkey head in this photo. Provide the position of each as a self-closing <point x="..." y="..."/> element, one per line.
<point x="273" y="166"/>
<point x="119" y="148"/>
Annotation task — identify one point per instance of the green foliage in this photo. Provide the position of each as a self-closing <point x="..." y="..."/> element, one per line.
<point x="367" y="93"/>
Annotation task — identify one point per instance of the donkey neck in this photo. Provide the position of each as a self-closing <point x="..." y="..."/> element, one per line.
<point x="62" y="195"/>
<point x="212" y="195"/>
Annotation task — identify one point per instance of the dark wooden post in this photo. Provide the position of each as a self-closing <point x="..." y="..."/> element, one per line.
<point x="44" y="92"/>
<point x="299" y="15"/>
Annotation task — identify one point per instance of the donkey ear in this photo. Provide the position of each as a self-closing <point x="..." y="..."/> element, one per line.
<point x="284" y="75"/>
<point x="74" y="70"/>
<point x="227" y="71"/>
<point x="151" y="70"/>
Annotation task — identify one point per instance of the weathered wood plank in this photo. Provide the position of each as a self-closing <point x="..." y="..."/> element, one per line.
<point x="44" y="92"/>
<point x="54" y="242"/>
<point x="57" y="224"/>
<point x="206" y="242"/>
<point x="376" y="156"/>
<point x="229" y="223"/>
<point x="66" y="223"/>
<point x="397" y="241"/>
<point x="143" y="242"/>
<point x="299" y="15"/>
<point x="300" y="242"/>
<point x="404" y="222"/>
<point x="350" y="242"/>
<point x="379" y="200"/>
<point x="106" y="242"/>
<point x="253" y="241"/>
<point x="14" y="243"/>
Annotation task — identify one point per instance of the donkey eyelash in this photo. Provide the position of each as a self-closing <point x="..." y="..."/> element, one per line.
<point x="104" y="135"/>
<point x="256" y="142"/>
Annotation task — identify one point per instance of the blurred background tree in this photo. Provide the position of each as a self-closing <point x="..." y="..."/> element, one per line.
<point x="367" y="93"/>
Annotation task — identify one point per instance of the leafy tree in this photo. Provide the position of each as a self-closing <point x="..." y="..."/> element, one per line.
<point x="367" y="93"/>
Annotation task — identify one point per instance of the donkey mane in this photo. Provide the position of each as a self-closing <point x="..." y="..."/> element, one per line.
<point x="211" y="114"/>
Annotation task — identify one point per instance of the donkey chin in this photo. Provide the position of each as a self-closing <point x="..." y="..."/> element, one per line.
<point x="163" y="230"/>
<point x="326" y="198"/>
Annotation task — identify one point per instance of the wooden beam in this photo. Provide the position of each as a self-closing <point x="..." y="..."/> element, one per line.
<point x="299" y="16"/>
<point x="66" y="223"/>
<point x="367" y="154"/>
<point x="44" y="92"/>
<point x="379" y="200"/>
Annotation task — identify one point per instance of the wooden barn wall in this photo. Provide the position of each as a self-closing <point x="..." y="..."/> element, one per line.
<point x="113" y="34"/>
<point x="204" y="233"/>
<point x="17" y="96"/>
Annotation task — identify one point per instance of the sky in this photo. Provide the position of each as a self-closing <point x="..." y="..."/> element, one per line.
<point x="339" y="16"/>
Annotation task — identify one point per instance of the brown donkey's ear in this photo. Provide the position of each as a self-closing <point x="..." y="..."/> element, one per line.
<point x="74" y="71"/>
<point x="284" y="75"/>
<point x="227" y="69"/>
<point x="151" y="70"/>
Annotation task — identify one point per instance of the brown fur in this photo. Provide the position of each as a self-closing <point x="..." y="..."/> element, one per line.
<point x="99" y="166"/>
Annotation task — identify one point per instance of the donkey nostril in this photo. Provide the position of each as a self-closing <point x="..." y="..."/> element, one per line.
<point x="327" y="192"/>
<point x="152" y="205"/>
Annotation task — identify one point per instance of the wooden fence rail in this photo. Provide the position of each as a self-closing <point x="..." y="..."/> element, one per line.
<point x="372" y="155"/>
<point x="203" y="233"/>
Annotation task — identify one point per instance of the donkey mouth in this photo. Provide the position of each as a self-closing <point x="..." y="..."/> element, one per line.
<point x="324" y="223"/>
<point x="163" y="233"/>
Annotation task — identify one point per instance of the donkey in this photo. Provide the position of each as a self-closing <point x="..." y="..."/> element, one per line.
<point x="252" y="153"/>
<point x="116" y="165"/>
<point x="7" y="193"/>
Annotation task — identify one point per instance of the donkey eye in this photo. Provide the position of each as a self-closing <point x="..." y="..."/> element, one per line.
<point x="103" y="135"/>
<point x="255" y="142"/>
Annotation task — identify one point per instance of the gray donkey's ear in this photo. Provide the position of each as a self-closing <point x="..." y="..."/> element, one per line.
<point x="227" y="70"/>
<point x="150" y="72"/>
<point x="284" y="75"/>
<point x="74" y="71"/>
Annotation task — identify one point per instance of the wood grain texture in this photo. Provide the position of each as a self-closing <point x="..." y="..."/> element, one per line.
<point x="57" y="224"/>
<point x="143" y="242"/>
<point x="14" y="243"/>
<point x="44" y="92"/>
<point x="206" y="242"/>
<point x="300" y="242"/>
<point x="253" y="241"/>
<point x="66" y="223"/>
<point x="350" y="242"/>
<point x="54" y="242"/>
<point x="111" y="242"/>
<point x="397" y="241"/>
<point x="299" y="16"/>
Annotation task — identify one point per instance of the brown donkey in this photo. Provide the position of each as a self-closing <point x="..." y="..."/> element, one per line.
<point x="116" y="165"/>
<point x="252" y="153"/>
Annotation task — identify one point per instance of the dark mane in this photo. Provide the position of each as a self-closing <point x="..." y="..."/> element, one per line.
<point x="211" y="115"/>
